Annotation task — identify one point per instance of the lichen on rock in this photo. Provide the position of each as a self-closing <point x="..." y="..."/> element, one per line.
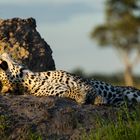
<point x="20" y="38"/>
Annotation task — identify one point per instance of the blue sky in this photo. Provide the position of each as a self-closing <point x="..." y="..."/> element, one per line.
<point x="66" y="27"/>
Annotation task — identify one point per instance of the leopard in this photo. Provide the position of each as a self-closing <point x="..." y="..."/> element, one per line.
<point x="64" y="84"/>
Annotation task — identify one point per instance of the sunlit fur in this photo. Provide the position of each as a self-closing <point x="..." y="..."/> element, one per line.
<point x="63" y="84"/>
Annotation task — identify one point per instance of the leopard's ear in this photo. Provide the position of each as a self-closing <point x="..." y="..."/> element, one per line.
<point x="3" y="65"/>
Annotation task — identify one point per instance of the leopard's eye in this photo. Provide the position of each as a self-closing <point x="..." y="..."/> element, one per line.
<point x="4" y="65"/>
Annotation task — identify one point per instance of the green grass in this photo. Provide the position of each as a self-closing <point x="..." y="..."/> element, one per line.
<point x="125" y="127"/>
<point x="4" y="125"/>
<point x="34" y="136"/>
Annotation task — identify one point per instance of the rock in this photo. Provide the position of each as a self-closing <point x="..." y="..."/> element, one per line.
<point x="20" y="38"/>
<point x="30" y="117"/>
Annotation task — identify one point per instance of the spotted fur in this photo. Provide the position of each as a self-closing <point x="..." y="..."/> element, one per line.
<point x="63" y="84"/>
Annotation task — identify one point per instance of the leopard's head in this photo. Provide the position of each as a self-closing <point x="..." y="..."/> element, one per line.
<point x="4" y="77"/>
<point x="11" y="73"/>
<point x="9" y="66"/>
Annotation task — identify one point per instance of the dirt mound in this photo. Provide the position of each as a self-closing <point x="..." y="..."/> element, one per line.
<point x="29" y="117"/>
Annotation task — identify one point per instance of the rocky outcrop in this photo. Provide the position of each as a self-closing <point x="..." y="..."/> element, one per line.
<point x="20" y="38"/>
<point x="25" y="117"/>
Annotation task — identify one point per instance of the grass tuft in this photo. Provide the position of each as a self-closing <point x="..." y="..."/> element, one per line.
<point x="125" y="127"/>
